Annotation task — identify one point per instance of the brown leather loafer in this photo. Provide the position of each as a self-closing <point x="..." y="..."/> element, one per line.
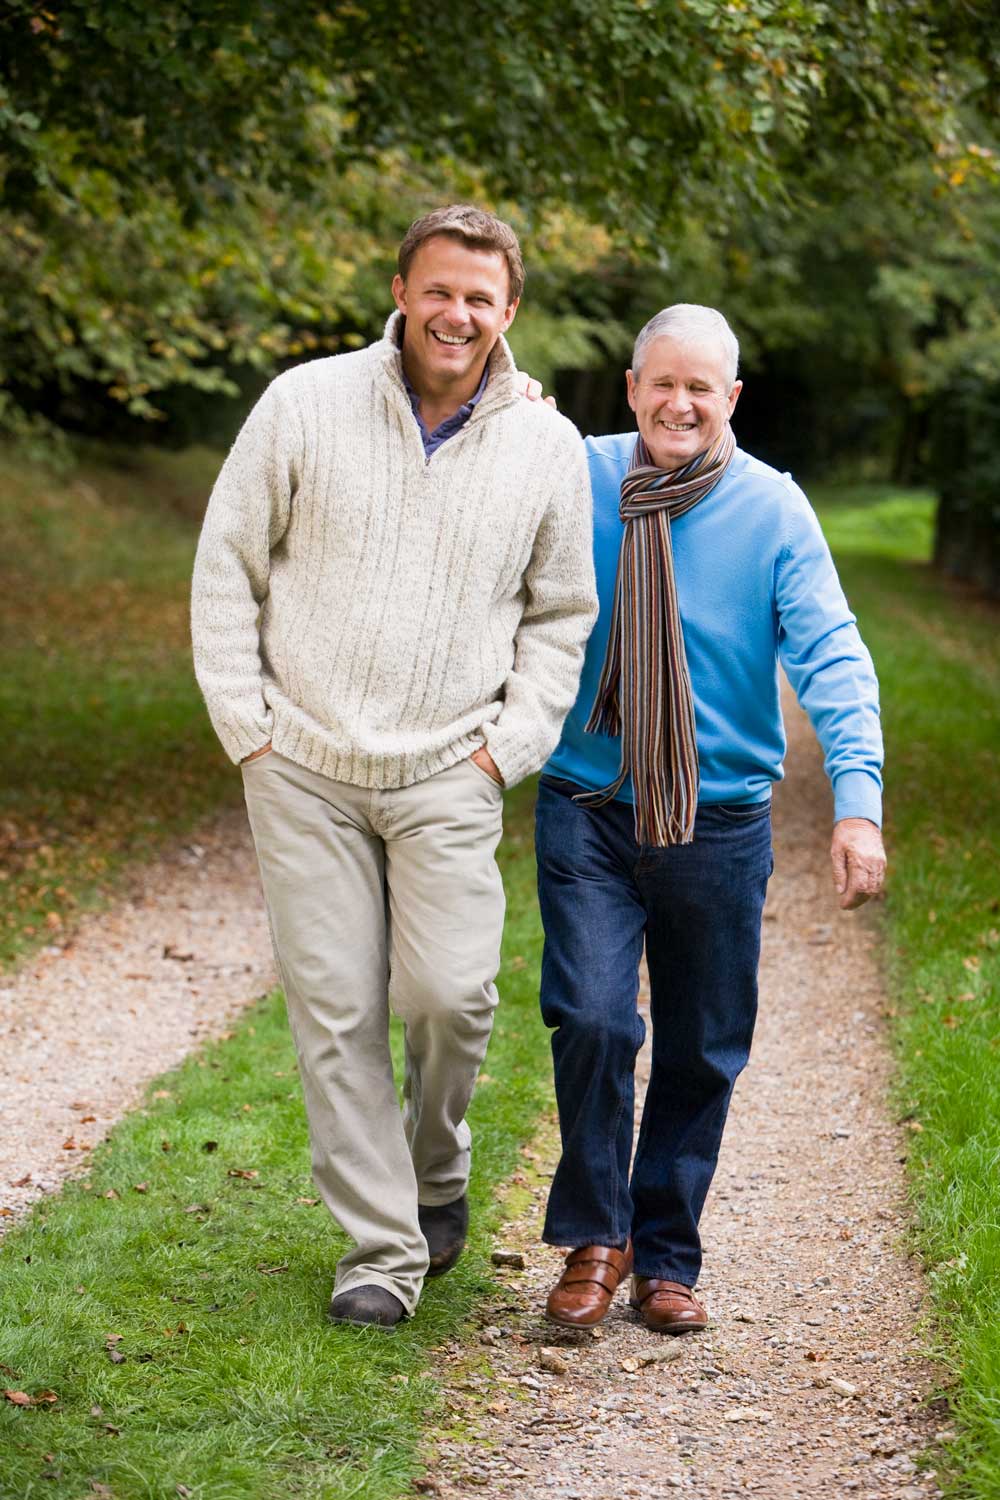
<point x="667" y="1306"/>
<point x="583" y="1293"/>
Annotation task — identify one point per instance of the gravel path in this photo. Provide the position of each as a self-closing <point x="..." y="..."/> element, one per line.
<point x="86" y="1026"/>
<point x="810" y="1380"/>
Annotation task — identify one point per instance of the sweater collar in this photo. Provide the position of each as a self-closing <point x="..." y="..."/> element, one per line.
<point x="501" y="386"/>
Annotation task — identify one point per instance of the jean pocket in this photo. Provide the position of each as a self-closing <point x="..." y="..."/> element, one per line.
<point x="740" y="812"/>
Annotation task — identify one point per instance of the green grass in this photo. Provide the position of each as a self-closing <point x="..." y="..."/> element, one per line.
<point x="107" y="748"/>
<point x="936" y="648"/>
<point x="233" y="1384"/>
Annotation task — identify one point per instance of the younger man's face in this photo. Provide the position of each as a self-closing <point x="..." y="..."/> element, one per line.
<point x="456" y="301"/>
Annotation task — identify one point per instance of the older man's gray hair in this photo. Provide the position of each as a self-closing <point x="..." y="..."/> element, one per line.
<point x="690" y="323"/>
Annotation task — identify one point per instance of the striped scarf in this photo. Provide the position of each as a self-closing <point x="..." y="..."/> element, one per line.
<point x="645" y="689"/>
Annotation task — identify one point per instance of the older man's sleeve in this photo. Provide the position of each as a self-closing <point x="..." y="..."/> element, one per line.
<point x="559" y="611"/>
<point x="247" y="515"/>
<point x="830" y="668"/>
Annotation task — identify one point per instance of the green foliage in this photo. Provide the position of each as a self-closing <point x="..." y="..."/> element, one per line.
<point x="195" y="193"/>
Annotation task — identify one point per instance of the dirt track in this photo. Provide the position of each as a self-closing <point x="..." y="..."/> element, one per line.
<point x="806" y="1275"/>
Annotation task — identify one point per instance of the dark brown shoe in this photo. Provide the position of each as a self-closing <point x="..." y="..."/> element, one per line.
<point x="667" y="1306"/>
<point x="583" y="1293"/>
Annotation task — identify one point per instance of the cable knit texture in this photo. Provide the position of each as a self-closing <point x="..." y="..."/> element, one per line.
<point x="379" y="616"/>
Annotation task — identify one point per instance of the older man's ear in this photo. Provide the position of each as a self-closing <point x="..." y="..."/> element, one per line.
<point x="532" y="388"/>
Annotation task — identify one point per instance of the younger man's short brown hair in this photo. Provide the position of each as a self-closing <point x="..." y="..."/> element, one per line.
<point x="472" y="227"/>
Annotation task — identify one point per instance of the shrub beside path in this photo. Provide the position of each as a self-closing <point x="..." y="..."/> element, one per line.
<point x="810" y="1381"/>
<point x="86" y="1025"/>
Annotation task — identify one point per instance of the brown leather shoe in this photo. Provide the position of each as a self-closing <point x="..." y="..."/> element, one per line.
<point x="667" y="1306"/>
<point x="583" y="1293"/>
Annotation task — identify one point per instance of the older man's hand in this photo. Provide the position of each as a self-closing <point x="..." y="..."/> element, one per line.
<point x="531" y="388"/>
<point x="858" y="856"/>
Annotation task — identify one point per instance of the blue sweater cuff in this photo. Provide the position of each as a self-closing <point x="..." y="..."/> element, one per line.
<point x="857" y="794"/>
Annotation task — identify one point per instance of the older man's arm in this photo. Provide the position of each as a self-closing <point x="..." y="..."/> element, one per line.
<point x="858" y="857"/>
<point x="831" y="670"/>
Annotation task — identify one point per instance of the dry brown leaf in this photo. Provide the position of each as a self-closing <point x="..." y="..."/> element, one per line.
<point x="271" y="1270"/>
<point x="24" y="1181"/>
<point x="140" y="1187"/>
<point x="40" y="1398"/>
<point x="248" y="1173"/>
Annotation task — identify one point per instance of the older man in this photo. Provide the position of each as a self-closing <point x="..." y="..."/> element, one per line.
<point x="391" y="595"/>
<point x="653" y="821"/>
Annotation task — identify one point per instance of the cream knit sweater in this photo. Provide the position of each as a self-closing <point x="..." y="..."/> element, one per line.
<point x="377" y="615"/>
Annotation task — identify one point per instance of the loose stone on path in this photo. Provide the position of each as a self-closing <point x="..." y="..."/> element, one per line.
<point x="85" y="1026"/>
<point x="810" y="1381"/>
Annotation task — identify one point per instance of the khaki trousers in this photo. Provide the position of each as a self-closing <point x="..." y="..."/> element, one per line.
<point x="382" y="899"/>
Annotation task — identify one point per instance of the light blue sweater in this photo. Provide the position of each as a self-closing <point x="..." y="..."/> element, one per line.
<point x="756" y="584"/>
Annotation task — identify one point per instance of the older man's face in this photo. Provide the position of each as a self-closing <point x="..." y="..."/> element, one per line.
<point x="682" y="399"/>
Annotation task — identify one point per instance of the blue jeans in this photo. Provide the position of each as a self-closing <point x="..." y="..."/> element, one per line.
<point x="698" y="909"/>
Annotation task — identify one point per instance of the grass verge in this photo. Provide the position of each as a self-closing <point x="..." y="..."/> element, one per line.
<point x="936" y="648"/>
<point x="107" y="749"/>
<point x="174" y="1302"/>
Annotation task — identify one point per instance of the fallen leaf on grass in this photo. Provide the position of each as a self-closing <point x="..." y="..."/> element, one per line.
<point x="309" y="1202"/>
<point x="210" y="1145"/>
<point x="8" y="1371"/>
<point x="271" y="1270"/>
<point x="162" y="1094"/>
<point x="950" y="1020"/>
<point x="197" y="1208"/>
<point x="40" y="1398"/>
<point x="111" y="1194"/>
<point x="140" y="1187"/>
<point x="243" y="1172"/>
